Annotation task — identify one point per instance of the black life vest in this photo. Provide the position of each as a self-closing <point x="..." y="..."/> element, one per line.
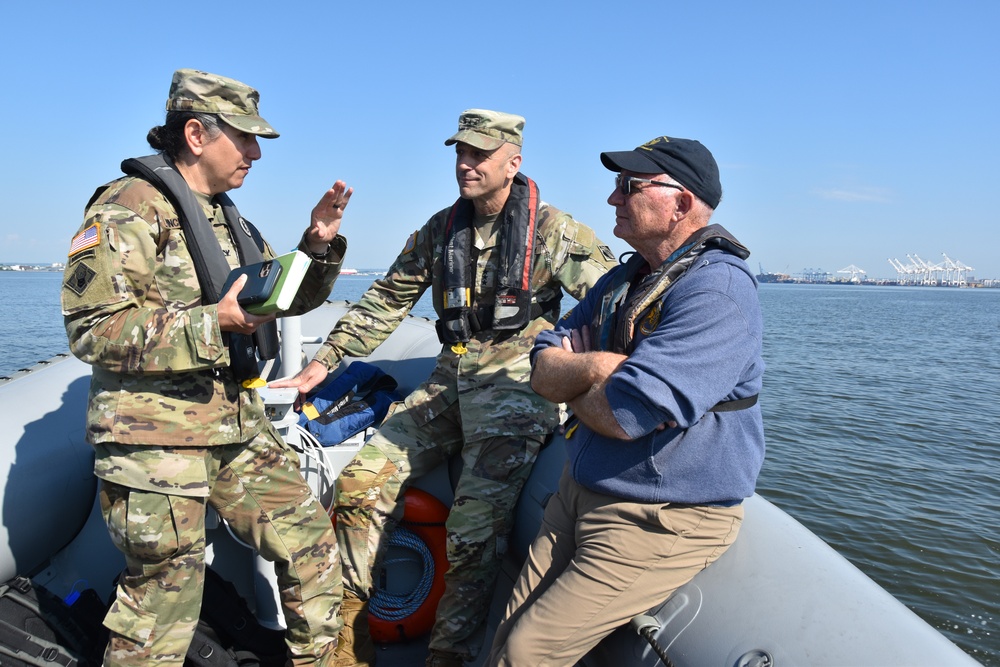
<point x="210" y="263"/>
<point x="458" y="316"/>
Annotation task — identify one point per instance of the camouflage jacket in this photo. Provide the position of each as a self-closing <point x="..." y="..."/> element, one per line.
<point x="133" y="310"/>
<point x="491" y="380"/>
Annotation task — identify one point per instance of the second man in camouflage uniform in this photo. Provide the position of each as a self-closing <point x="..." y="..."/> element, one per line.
<point x="497" y="262"/>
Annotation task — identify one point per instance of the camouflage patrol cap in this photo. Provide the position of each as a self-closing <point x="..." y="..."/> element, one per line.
<point x="233" y="101"/>
<point x="487" y="130"/>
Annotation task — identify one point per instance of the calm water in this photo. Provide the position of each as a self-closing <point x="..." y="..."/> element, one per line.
<point x="881" y="410"/>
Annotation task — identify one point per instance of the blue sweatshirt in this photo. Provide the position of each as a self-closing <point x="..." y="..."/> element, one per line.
<point x="704" y="349"/>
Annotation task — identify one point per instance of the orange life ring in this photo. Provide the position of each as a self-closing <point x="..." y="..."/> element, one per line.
<point x="424" y="515"/>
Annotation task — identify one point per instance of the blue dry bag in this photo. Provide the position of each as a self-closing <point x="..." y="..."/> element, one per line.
<point x="358" y="398"/>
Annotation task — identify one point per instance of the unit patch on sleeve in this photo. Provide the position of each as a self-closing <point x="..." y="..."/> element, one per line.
<point x="88" y="238"/>
<point x="411" y="243"/>
<point x="80" y="279"/>
<point x="606" y="251"/>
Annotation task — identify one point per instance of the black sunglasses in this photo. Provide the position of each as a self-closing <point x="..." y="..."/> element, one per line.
<point x="624" y="183"/>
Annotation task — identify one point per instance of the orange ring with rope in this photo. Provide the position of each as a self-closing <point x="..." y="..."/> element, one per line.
<point x="424" y="516"/>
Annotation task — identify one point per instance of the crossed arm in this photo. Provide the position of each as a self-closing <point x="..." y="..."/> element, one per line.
<point x="577" y="376"/>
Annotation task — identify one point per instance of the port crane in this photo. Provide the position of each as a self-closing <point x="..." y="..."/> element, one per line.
<point x="956" y="273"/>
<point x="855" y="271"/>
<point x="919" y="272"/>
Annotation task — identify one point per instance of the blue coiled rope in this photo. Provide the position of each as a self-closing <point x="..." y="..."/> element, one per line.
<point x="390" y="607"/>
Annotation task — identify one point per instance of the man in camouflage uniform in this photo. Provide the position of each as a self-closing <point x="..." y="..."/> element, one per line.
<point x="173" y="429"/>
<point x="477" y="402"/>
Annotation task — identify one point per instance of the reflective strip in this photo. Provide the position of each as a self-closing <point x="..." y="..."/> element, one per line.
<point x="457" y="297"/>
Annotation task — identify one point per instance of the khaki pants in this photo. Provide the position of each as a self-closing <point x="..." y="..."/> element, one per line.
<point x="597" y="562"/>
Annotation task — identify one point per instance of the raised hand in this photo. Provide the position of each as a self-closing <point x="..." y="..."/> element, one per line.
<point x="327" y="215"/>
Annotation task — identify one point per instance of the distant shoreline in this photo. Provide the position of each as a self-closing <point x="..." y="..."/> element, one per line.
<point x="878" y="282"/>
<point x="768" y="279"/>
<point x="59" y="268"/>
<point x="32" y="268"/>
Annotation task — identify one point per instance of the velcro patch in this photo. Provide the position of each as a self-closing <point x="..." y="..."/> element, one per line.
<point x="411" y="243"/>
<point x="89" y="253"/>
<point x="80" y="279"/>
<point x="606" y="251"/>
<point x="88" y="238"/>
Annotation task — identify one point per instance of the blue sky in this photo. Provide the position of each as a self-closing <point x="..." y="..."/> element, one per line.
<point x="847" y="133"/>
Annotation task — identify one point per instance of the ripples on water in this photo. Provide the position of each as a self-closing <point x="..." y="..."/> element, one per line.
<point x="30" y="319"/>
<point x="881" y="412"/>
<point x="881" y="416"/>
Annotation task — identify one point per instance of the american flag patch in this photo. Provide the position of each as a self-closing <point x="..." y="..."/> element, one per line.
<point x="88" y="238"/>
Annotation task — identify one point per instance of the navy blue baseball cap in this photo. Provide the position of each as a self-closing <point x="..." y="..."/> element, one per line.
<point x="686" y="160"/>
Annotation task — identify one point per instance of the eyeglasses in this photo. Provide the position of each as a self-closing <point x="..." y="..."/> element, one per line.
<point x="624" y="183"/>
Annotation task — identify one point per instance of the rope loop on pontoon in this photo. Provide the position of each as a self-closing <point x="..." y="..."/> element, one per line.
<point x="393" y="607"/>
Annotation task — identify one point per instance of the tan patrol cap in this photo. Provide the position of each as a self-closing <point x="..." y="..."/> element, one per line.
<point x="487" y="130"/>
<point x="233" y="101"/>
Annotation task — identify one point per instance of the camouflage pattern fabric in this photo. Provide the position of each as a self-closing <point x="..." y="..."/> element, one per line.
<point x="166" y="418"/>
<point x="491" y="379"/>
<point x="494" y="471"/>
<point x="132" y="308"/>
<point x="487" y="129"/>
<point x="235" y="102"/>
<point x="258" y="490"/>
<point x="479" y="403"/>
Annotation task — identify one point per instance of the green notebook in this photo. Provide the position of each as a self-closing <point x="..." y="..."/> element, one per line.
<point x="272" y="284"/>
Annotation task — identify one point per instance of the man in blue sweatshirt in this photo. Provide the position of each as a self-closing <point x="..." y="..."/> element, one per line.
<point x="660" y="365"/>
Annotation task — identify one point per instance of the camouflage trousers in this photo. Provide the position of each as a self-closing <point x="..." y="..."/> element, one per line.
<point x="257" y="488"/>
<point x="493" y="472"/>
